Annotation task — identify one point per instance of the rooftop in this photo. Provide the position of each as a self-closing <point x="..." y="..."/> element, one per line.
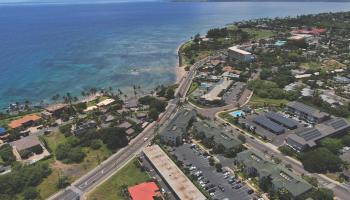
<point x="214" y="93"/>
<point x="307" y="109"/>
<point x="179" y="123"/>
<point x="312" y="135"/>
<point x="280" y="176"/>
<point x="105" y="102"/>
<point x="143" y="191"/>
<point x="54" y="107"/>
<point x="209" y="129"/>
<point x="235" y="49"/>
<point x="173" y="176"/>
<point x="26" y="143"/>
<point x="25" y="119"/>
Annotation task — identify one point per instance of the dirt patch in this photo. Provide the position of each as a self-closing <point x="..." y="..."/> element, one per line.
<point x="71" y="170"/>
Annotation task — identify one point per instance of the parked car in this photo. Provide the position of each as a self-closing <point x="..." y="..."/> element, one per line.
<point x="250" y="191"/>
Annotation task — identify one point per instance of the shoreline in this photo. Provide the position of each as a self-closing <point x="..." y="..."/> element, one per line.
<point x="180" y="71"/>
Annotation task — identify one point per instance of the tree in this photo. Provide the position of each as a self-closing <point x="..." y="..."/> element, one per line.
<point x="321" y="160"/>
<point x="332" y="144"/>
<point x="346" y="140"/>
<point x="219" y="149"/>
<point x="6" y="154"/>
<point x="211" y="161"/>
<point x="265" y="183"/>
<point x="63" y="181"/>
<point x="31" y="193"/>
<point x="114" y="137"/>
<point x="218" y="167"/>
<point x="322" y="194"/>
<point x="153" y="114"/>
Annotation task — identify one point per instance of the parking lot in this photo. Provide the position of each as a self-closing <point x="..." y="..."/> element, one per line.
<point x="221" y="185"/>
<point x="233" y="94"/>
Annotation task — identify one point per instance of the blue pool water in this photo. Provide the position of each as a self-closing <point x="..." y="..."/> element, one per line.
<point x="237" y="113"/>
<point x="50" y="49"/>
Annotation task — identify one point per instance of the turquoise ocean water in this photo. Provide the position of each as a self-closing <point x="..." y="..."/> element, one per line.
<point x="50" y="49"/>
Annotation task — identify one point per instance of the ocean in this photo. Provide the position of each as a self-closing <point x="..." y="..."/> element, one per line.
<point x="54" y="49"/>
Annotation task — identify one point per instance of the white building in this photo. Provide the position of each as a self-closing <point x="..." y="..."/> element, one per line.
<point x="238" y="54"/>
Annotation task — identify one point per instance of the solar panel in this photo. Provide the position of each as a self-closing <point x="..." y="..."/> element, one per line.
<point x="339" y="123"/>
<point x="268" y="124"/>
<point x="310" y="134"/>
<point x="289" y="123"/>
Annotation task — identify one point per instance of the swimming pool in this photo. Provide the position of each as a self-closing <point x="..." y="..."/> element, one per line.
<point x="237" y="113"/>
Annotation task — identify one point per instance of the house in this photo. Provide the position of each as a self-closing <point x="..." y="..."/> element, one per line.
<point x="83" y="127"/>
<point x="308" y="138"/>
<point x="256" y="164"/>
<point x="176" y="130"/>
<point x="144" y="191"/>
<point x="56" y="109"/>
<point x="341" y="80"/>
<point x="30" y="144"/>
<point x="24" y="122"/>
<point x="306" y="112"/>
<point x="125" y="125"/>
<point x="234" y="53"/>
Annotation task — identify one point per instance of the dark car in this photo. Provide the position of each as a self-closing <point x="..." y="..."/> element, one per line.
<point x="250" y="191"/>
<point x="221" y="188"/>
<point x="237" y="187"/>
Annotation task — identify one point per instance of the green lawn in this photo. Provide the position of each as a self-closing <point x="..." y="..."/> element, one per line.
<point x="129" y="175"/>
<point x="193" y="87"/>
<point x="256" y="101"/>
<point x="259" y="33"/>
<point x="96" y="101"/>
<point x="48" y="186"/>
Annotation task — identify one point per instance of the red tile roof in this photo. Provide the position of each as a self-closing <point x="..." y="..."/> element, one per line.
<point x="19" y="122"/>
<point x="143" y="191"/>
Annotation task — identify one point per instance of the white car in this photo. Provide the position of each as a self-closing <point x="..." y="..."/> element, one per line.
<point x="145" y="139"/>
<point x="212" y="194"/>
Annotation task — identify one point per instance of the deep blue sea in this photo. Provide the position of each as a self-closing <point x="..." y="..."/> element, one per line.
<point x="50" y="49"/>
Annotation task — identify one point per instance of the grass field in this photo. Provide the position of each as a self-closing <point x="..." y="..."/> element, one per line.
<point x="129" y="175"/>
<point x="73" y="171"/>
<point x="256" y="101"/>
<point x="259" y="33"/>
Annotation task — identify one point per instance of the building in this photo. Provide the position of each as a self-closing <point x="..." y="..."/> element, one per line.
<point x="30" y="143"/>
<point x="309" y="138"/>
<point x="144" y="191"/>
<point x="56" y="109"/>
<point x="24" y="122"/>
<point x="208" y="129"/>
<point x="341" y="80"/>
<point x="256" y="164"/>
<point x="83" y="127"/>
<point x="214" y="93"/>
<point x="234" y="53"/>
<point x="280" y="119"/>
<point x="269" y="125"/>
<point x="181" y="186"/>
<point x="176" y="130"/>
<point x="105" y="102"/>
<point x="2" y="131"/>
<point x="307" y="113"/>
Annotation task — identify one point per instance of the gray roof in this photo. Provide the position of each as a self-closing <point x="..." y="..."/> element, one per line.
<point x="307" y="109"/>
<point x="179" y="123"/>
<point x="280" y="119"/>
<point x="312" y="135"/>
<point x="26" y="143"/>
<point x="209" y="129"/>
<point x="280" y="176"/>
<point x="268" y="124"/>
